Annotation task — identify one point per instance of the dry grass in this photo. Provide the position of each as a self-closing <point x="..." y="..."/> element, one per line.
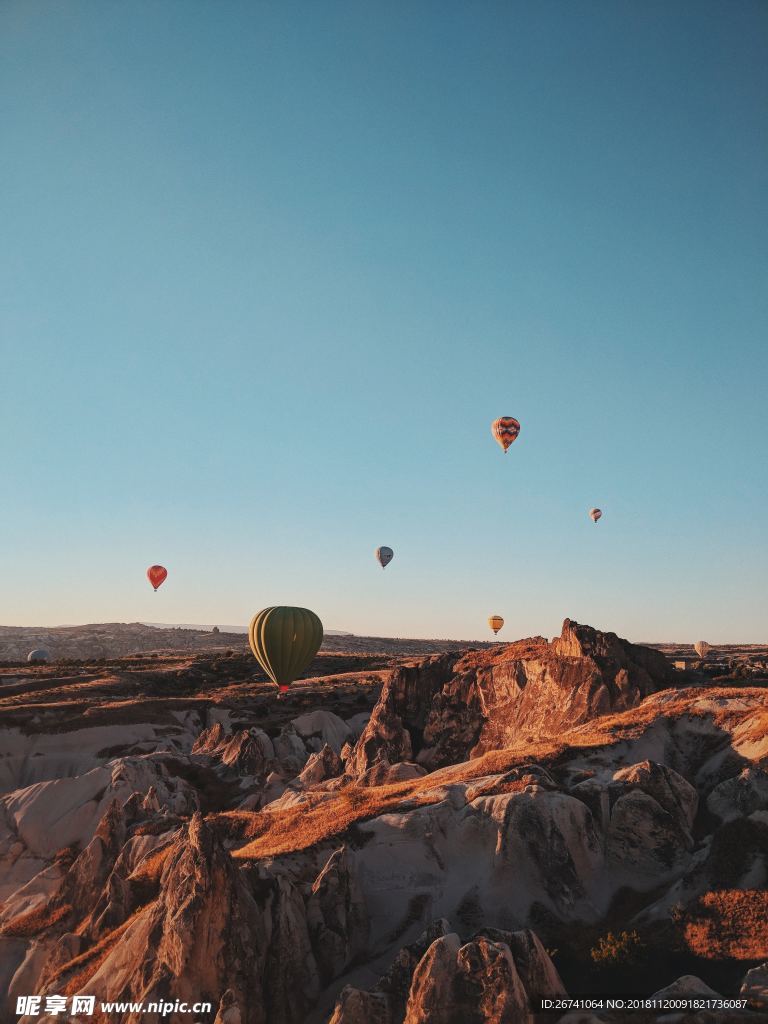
<point x="295" y="828"/>
<point x="730" y="923"/>
<point x="34" y="921"/>
<point x="82" y="967"/>
<point x="756" y="729"/>
<point x="151" y="868"/>
<point x="519" y="650"/>
<point x="501" y="786"/>
<point x="272" y="833"/>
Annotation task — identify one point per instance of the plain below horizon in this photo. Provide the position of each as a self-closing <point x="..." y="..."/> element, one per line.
<point x="222" y="627"/>
<point x="377" y="636"/>
<point x="225" y="628"/>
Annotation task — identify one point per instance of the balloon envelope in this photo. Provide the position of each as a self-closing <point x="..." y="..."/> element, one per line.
<point x="495" y="622"/>
<point x="505" y="429"/>
<point x="701" y="647"/>
<point x="384" y="556"/>
<point x="156" y="574"/>
<point x="594" y="514"/>
<point x="39" y="655"/>
<point x="284" y="641"/>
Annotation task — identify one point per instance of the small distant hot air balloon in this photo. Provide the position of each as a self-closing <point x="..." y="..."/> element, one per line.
<point x="38" y="657"/>
<point x="156" y="574"/>
<point x="495" y="622"/>
<point x="284" y="641"/>
<point x="384" y="556"/>
<point x="594" y="514"/>
<point x="505" y="429"/>
<point x="701" y="647"/>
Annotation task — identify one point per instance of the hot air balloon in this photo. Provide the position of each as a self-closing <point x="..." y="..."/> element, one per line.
<point x="505" y="429"/>
<point x="38" y="656"/>
<point x="495" y="622"/>
<point x="284" y="641"/>
<point x="594" y="514"/>
<point x="701" y="647"/>
<point x="384" y="556"/>
<point x="156" y="574"/>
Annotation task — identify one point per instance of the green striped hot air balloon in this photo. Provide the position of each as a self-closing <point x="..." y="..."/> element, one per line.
<point x="284" y="641"/>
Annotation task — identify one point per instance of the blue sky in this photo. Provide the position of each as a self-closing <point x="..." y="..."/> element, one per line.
<point x="270" y="270"/>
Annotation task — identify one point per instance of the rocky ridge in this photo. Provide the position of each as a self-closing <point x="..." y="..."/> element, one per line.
<point x="453" y="706"/>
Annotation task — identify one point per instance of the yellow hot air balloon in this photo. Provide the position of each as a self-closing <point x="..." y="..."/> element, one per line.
<point x="284" y="641"/>
<point x="495" y="622"/>
<point x="701" y="647"/>
<point x="505" y="429"/>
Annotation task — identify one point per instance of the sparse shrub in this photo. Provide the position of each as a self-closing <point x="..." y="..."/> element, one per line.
<point x="677" y="912"/>
<point x="612" y="950"/>
<point x="65" y="856"/>
<point x="355" y="797"/>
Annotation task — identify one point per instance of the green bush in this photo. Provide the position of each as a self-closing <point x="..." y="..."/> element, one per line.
<point x="611" y="950"/>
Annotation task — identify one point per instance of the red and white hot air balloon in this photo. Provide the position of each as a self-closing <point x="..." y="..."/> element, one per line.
<point x="505" y="429"/>
<point x="594" y="514"/>
<point x="156" y="574"/>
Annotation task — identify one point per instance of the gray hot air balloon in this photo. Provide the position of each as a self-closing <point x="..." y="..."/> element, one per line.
<point x="384" y="556"/>
<point x="701" y="647"/>
<point x="38" y="657"/>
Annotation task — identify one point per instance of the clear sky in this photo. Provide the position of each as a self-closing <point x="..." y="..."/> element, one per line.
<point x="270" y="270"/>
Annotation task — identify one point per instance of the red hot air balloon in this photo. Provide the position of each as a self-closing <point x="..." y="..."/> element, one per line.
<point x="505" y="429"/>
<point x="156" y="574"/>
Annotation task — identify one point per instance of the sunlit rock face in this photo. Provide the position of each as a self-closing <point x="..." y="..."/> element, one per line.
<point x="495" y="976"/>
<point x="448" y="708"/>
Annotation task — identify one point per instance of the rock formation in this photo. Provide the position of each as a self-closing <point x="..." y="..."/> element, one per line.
<point x="450" y="707"/>
<point x="299" y="862"/>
